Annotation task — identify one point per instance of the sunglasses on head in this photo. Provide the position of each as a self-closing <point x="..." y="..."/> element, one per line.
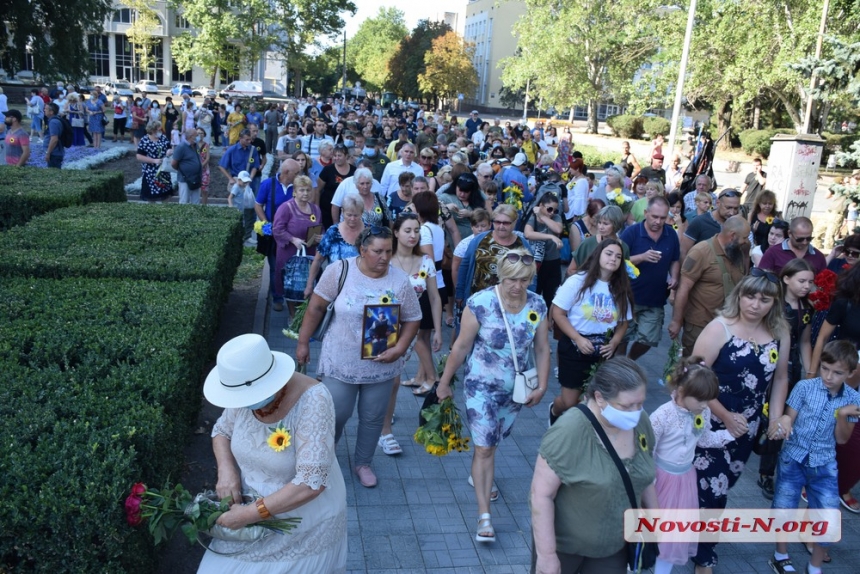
<point x="516" y="257"/>
<point x="756" y="272"/>
<point x="376" y="231"/>
<point x="729" y="193"/>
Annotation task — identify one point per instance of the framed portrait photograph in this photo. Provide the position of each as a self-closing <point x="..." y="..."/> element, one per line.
<point x="380" y="329"/>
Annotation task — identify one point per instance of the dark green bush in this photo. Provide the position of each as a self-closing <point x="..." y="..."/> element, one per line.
<point x="656" y="125"/>
<point x="135" y="241"/>
<point x="27" y="192"/>
<point x="101" y="380"/>
<point x="626" y="126"/>
<point x="757" y="142"/>
<point x="595" y="158"/>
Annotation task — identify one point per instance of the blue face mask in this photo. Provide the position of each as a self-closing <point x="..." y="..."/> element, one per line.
<point x="370" y="151"/>
<point x="349" y="143"/>
<point x="625" y="420"/>
<point x="262" y="403"/>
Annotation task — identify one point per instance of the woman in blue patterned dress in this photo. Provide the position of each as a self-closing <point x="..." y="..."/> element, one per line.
<point x="489" y="377"/>
<point x="96" y="113"/>
<point x="338" y="242"/>
<point x="752" y="332"/>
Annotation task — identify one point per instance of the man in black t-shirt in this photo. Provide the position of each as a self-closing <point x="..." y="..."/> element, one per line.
<point x="261" y="149"/>
<point x="753" y="184"/>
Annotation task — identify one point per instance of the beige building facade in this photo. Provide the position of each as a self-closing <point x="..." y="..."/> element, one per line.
<point x="489" y="25"/>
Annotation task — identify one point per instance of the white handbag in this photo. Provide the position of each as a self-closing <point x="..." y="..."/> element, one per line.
<point x="524" y="381"/>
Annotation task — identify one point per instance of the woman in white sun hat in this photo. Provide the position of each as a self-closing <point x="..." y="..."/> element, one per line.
<point x="275" y="440"/>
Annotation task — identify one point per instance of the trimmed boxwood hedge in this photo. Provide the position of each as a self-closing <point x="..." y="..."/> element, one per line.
<point x="27" y="192"/>
<point x="135" y="241"/>
<point x="100" y="384"/>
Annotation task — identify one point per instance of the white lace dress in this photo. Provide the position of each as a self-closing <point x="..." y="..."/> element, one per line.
<point x="318" y="545"/>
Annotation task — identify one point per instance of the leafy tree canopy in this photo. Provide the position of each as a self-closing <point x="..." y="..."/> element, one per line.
<point x="371" y="49"/>
<point x="408" y="62"/>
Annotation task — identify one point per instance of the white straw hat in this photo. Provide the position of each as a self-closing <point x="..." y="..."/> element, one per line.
<point x="247" y="372"/>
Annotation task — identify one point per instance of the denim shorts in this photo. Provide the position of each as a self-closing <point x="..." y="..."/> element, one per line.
<point x="822" y="489"/>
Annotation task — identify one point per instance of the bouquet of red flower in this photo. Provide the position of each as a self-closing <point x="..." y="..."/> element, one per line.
<point x="822" y="297"/>
<point x="174" y="507"/>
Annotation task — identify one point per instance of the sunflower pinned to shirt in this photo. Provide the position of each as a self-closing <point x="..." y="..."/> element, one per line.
<point x="313" y="218"/>
<point x="806" y="318"/>
<point x="279" y="439"/>
<point x="387" y="297"/>
<point x="422" y="274"/>
<point x="773" y="355"/>
<point x="378" y="210"/>
<point x="698" y="422"/>
<point x="533" y="317"/>
<point x="765" y="409"/>
<point x="769" y="220"/>
<point x="643" y="442"/>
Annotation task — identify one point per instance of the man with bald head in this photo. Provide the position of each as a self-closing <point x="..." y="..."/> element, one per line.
<point x="274" y="192"/>
<point x="797" y="246"/>
<point x="708" y="224"/>
<point x="708" y="274"/>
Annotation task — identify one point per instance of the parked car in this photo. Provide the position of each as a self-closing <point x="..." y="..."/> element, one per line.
<point x="179" y="89"/>
<point x="146" y="86"/>
<point x="253" y="90"/>
<point x="119" y="88"/>
<point x="205" y="91"/>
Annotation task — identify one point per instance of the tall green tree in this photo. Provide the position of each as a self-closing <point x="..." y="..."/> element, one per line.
<point x="371" y="49"/>
<point x="578" y="52"/>
<point x="448" y="68"/>
<point x="408" y="62"/>
<point x="141" y="32"/>
<point x="54" y="32"/>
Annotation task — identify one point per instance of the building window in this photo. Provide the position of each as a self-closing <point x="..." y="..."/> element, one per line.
<point x="97" y="45"/>
<point x="126" y="62"/>
<point x="180" y="76"/>
<point x="228" y="76"/>
<point x="122" y="16"/>
<point x="180" y="22"/>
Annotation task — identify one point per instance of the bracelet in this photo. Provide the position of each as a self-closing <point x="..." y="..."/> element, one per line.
<point x="262" y="510"/>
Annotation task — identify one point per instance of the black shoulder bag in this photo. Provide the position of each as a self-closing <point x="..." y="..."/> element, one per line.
<point x="640" y="554"/>
<point x="266" y="243"/>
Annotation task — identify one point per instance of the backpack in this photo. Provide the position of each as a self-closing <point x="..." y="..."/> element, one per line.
<point x="548" y="187"/>
<point x="67" y="135"/>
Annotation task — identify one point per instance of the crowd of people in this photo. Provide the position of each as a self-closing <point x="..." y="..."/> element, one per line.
<point x="477" y="236"/>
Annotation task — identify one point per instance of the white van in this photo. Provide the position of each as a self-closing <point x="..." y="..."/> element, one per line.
<point x="253" y="90"/>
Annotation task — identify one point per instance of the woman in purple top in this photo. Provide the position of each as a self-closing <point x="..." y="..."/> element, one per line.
<point x="290" y="228"/>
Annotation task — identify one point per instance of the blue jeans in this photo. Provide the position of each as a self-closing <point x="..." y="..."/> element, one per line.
<point x="822" y="489"/>
<point x="55" y="161"/>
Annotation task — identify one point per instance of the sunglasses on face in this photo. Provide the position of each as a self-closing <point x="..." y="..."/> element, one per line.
<point x="550" y="209"/>
<point x="806" y="239"/>
<point x="502" y="222"/>
<point x="756" y="272"/>
<point x="852" y="253"/>
<point x="516" y="257"/>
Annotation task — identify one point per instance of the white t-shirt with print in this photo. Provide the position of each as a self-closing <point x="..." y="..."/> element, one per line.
<point x="592" y="314"/>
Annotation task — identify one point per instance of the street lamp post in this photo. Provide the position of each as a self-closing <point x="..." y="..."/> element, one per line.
<point x="682" y="72"/>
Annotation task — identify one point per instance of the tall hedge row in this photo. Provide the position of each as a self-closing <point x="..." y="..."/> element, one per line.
<point x="27" y="192"/>
<point x="107" y="314"/>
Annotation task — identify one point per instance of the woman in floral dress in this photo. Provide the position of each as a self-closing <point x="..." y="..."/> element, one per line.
<point x="489" y="377"/>
<point x="753" y="330"/>
<point x="203" y="151"/>
<point x="153" y="148"/>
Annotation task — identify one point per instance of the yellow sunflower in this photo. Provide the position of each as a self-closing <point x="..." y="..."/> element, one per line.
<point x="10" y="139"/>
<point x="533" y="317"/>
<point x="385" y="299"/>
<point x="422" y="274"/>
<point x="836" y="414"/>
<point x="675" y="227"/>
<point x="446" y="428"/>
<point x="768" y="220"/>
<point x="806" y="318"/>
<point x="699" y="422"/>
<point x="430" y="174"/>
<point x="643" y="442"/>
<point x="378" y="209"/>
<point x="250" y="160"/>
<point x="765" y="409"/>
<point x="279" y="439"/>
<point x="774" y="355"/>
<point x="313" y="218"/>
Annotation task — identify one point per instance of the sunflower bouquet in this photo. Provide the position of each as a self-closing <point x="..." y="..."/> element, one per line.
<point x="618" y="197"/>
<point x="442" y="429"/>
<point x="173" y="507"/>
<point x="261" y="228"/>
<point x="514" y="196"/>
<point x="292" y="332"/>
<point x="675" y="352"/>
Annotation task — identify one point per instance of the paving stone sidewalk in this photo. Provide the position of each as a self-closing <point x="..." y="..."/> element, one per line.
<point x="422" y="516"/>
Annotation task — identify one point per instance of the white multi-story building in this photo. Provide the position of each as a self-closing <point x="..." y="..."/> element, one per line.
<point x="489" y="25"/>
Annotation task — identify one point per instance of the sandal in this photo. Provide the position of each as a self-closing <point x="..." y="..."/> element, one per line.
<point x="850" y="503"/>
<point x="778" y="566"/>
<point x="389" y="445"/>
<point x="485" y="532"/>
<point x="494" y="491"/>
<point x="826" y="558"/>
<point x="423" y="390"/>
<point x="410" y="383"/>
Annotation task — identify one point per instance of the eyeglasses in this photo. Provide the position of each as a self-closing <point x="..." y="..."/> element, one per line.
<point x="502" y="222"/>
<point x="550" y="209"/>
<point x="806" y="239"/>
<point x="516" y="258"/>
<point x="729" y="193"/>
<point x="852" y="253"/>
<point x="756" y="272"/>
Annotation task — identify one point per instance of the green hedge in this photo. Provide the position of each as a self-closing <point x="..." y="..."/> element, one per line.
<point x="626" y="126"/>
<point x="135" y="241"/>
<point x="655" y="125"/>
<point x="100" y="384"/>
<point x="757" y="142"/>
<point x="29" y="191"/>
<point x="595" y="158"/>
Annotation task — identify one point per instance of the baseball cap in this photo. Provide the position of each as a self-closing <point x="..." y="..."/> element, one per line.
<point x="657" y="156"/>
<point x="14" y="114"/>
<point x="475" y="112"/>
<point x="244" y="176"/>
<point x="519" y="159"/>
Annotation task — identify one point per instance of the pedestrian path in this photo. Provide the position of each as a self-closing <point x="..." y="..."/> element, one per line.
<point x="422" y="516"/>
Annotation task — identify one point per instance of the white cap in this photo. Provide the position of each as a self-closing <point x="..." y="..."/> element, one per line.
<point x="519" y="159"/>
<point x="244" y="176"/>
